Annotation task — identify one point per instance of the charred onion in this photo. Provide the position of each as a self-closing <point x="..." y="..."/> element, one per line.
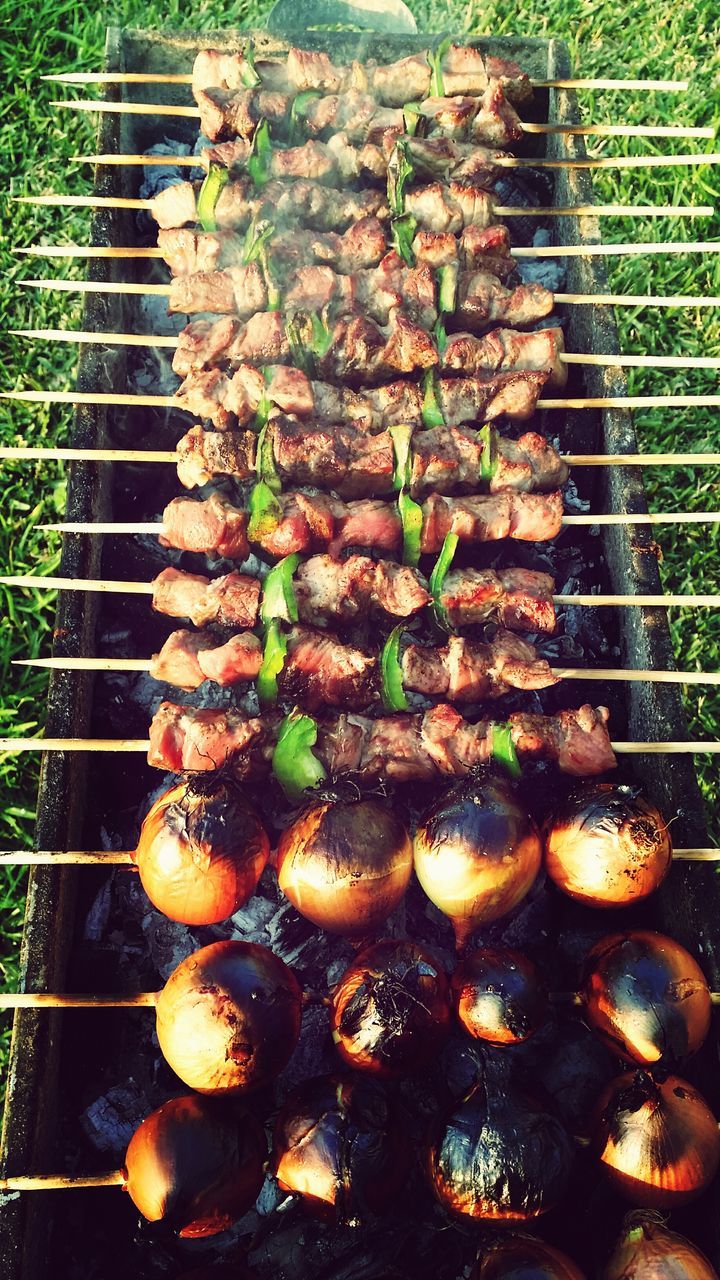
<point x="477" y="853"/>
<point x="202" y="850"/>
<point x="499" y="996"/>
<point x="646" y="998"/>
<point x="228" y="1018"/>
<point x="646" y="1250"/>
<point x="525" y="1258"/>
<point x="195" y="1165"/>
<point x="335" y="1146"/>
<point x="345" y="865"/>
<point x="658" y="1141"/>
<point x="607" y="845"/>
<point x="500" y="1155"/>
<point x="390" y="1011"/>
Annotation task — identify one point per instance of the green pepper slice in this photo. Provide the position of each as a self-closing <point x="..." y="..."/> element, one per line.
<point x="297" y="113"/>
<point x="256" y="239"/>
<point x="278" y="599"/>
<point x="403" y="233"/>
<point x="447" y="289"/>
<point x="258" y="164"/>
<point x="435" y="58"/>
<point x="503" y="749"/>
<point x="489" y="454"/>
<point x="440" y="336"/>
<point x="274" y="654"/>
<point x="401" y="434"/>
<point x="248" y="70"/>
<point x="431" y="411"/>
<point x="265" y="404"/>
<point x="293" y="762"/>
<point x="391" y="676"/>
<point x="265" y="512"/>
<point x="214" y="181"/>
<point x="400" y="170"/>
<point x="439" y="574"/>
<point x="412" y="117"/>
<point x="265" y="467"/>
<point x="411" y="517"/>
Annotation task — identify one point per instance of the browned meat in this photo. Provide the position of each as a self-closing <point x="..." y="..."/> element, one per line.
<point x="504" y="349"/>
<point x="205" y="454"/>
<point x="188" y="658"/>
<point x="490" y="119"/>
<point x="330" y="591"/>
<point x="201" y="739"/>
<point x="353" y="463"/>
<point x="213" y="526"/>
<point x="512" y="395"/>
<point x="529" y="517"/>
<point x="448" y="459"/>
<point x="577" y="740"/>
<point x="320" y="671"/>
<point x="305" y="202"/>
<point x="231" y="113"/>
<point x="187" y="250"/>
<point x="239" y="291"/>
<point x="232" y="600"/>
<point x="520" y="599"/>
<point x="484" y="300"/>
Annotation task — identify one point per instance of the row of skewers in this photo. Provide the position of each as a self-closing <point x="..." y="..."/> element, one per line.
<point x="390" y="444"/>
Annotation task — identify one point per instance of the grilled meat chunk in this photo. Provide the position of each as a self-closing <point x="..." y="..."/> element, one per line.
<point x="231" y="601"/>
<point x="214" y="526"/>
<point x="468" y="671"/>
<point x="285" y="203"/>
<point x="189" y="658"/>
<point x="520" y="599"/>
<point x="201" y="739"/>
<point x="321" y="671"/>
<point x="187" y="250"/>
<point x="342" y="592"/>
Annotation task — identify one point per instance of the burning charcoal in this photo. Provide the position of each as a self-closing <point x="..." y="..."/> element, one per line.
<point x="251" y="922"/>
<point x="168" y="942"/>
<point x="314" y="1055"/>
<point x="110" y="1122"/>
<point x="98" y="915"/>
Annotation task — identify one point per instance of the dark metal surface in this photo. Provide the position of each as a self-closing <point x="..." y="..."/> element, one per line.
<point x="37" y="1122"/>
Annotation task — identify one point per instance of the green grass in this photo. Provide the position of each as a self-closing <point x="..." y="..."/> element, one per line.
<point x="606" y="38"/>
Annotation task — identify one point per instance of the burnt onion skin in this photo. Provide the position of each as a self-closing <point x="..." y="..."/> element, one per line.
<point x="646" y="998"/>
<point x="500" y="1155"/>
<point x="390" y="1012"/>
<point x="345" y="865"/>
<point x="646" y="1250"/>
<point x="657" y="1141"/>
<point x="195" y="1165"/>
<point x="228" y="1018"/>
<point x="607" y="845"/>
<point x="499" y="996"/>
<point x="477" y="853"/>
<point x="202" y="850"/>
<point x="336" y="1146"/>
<point x="525" y="1258"/>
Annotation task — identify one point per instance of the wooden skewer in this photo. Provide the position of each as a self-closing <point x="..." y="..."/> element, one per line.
<point x="170" y="402"/>
<point x="502" y="211"/>
<point x="51" y="1000"/>
<point x="112" y="586"/>
<point x="101" y="857"/>
<point x="568" y="299"/>
<point x="171" y="455"/>
<point x="582" y="82"/>
<point x="531" y="251"/>
<point x="127" y="745"/>
<point x="503" y="162"/>
<point x="565" y="357"/>
<point x="563" y="673"/>
<point x="61" y="1181"/>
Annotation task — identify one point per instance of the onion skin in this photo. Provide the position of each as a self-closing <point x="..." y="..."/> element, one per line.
<point x="477" y="853"/>
<point x="195" y="1166"/>
<point x="228" y="1018"/>
<point x="345" y="865"/>
<point x="658" y="1142"/>
<point x="525" y="1258"/>
<point x="646" y="998"/>
<point x="202" y="850"/>
<point x="499" y="996"/>
<point x="500" y="1156"/>
<point x="390" y="1012"/>
<point x="646" y="1250"/>
<point x="336" y="1147"/>
<point x="607" y="845"/>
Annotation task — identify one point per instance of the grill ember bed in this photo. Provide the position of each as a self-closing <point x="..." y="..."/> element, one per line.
<point x="92" y="929"/>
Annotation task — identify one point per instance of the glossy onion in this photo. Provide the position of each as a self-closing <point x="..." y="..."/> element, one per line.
<point x="345" y="865"/>
<point x="391" y="1009"/>
<point x="607" y="845"/>
<point x="228" y="1018"/>
<point x="657" y="1141"/>
<point x="499" y="996"/>
<point x="477" y="853"/>
<point x="646" y="1250"/>
<point x="500" y="1155"/>
<point x="195" y="1165"/>
<point x="335" y="1146"/>
<point x="202" y="850"/>
<point x="524" y="1258"/>
<point x="646" y="998"/>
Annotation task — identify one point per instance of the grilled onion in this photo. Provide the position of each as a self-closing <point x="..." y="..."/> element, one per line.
<point x="646" y="1250"/>
<point x="658" y="1141"/>
<point x="499" y="996"/>
<point x="646" y="998"/>
<point x="345" y="865"/>
<point x="335" y="1146"/>
<point x="477" y="853"/>
<point x="195" y="1165"/>
<point x="525" y="1258"/>
<point x="228" y="1018"/>
<point x="607" y="845"/>
<point x="500" y="1155"/>
<point x="202" y="850"/>
<point x="391" y="1009"/>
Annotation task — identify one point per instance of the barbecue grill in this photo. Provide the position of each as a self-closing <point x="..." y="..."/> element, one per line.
<point x="62" y="1061"/>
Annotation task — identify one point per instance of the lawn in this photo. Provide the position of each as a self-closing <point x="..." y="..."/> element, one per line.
<point x="606" y="38"/>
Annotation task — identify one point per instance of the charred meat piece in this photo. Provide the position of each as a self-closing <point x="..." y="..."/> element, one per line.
<point x="206" y="454"/>
<point x="484" y="300"/>
<point x="468" y="671"/>
<point x="187" y="250"/>
<point x="464" y="70"/>
<point x="507" y="349"/>
<point x="520" y="599"/>
<point x="403" y="748"/>
<point x="321" y="671"/>
<point x="342" y="592"/>
<point x="304" y="202"/>
<point x="188" y="658"/>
